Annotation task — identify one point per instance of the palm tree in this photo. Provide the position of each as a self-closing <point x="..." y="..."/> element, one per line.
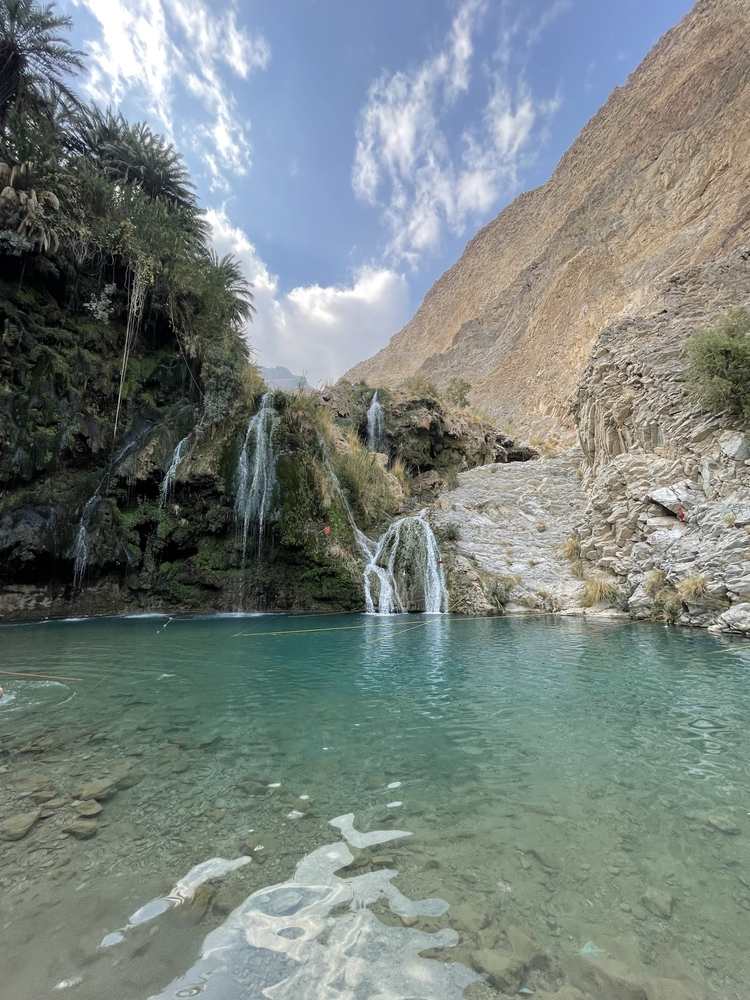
<point x="234" y="287"/>
<point x="34" y="56"/>
<point x="134" y="154"/>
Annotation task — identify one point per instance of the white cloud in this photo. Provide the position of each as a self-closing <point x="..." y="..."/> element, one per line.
<point x="152" y="51"/>
<point x="316" y="331"/>
<point x="548" y="17"/>
<point x="405" y="161"/>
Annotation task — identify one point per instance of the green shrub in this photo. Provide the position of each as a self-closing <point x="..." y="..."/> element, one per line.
<point x="452" y="532"/>
<point x="457" y="392"/>
<point x="719" y="364"/>
<point x="420" y="388"/>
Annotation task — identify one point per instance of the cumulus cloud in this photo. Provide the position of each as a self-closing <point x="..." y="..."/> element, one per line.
<point x="154" y="51"/>
<point x="405" y="161"/>
<point x="316" y="331"/>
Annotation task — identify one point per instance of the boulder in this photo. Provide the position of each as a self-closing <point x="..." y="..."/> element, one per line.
<point x="735" y="445"/>
<point x="736" y="619"/>
<point x="81" y="829"/>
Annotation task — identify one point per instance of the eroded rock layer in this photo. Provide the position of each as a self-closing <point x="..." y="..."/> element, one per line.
<point x="668" y="483"/>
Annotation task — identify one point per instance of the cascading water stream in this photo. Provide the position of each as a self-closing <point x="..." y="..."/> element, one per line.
<point x="406" y="562"/>
<point x="375" y="425"/>
<point x="167" y="482"/>
<point x="407" y="546"/>
<point x="81" y="547"/>
<point x="256" y="473"/>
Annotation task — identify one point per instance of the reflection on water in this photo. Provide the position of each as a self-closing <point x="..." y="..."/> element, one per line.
<point x="282" y="941"/>
<point x="587" y="785"/>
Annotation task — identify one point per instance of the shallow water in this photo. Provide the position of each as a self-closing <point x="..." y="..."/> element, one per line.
<point x="552" y="776"/>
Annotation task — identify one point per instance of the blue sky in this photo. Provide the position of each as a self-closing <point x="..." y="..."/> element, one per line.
<point x="346" y="150"/>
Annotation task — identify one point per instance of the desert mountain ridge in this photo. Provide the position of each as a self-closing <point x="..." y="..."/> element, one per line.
<point x="658" y="180"/>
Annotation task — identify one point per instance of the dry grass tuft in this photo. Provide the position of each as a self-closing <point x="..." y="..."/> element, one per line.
<point x="598" y="591"/>
<point x="654" y="582"/>
<point x="691" y="588"/>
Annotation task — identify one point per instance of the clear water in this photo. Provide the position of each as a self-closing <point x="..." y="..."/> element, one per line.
<point x="549" y="773"/>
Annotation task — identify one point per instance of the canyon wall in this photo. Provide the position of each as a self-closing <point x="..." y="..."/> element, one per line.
<point x="659" y="179"/>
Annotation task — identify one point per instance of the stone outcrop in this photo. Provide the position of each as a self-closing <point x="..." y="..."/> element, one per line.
<point x="658" y="180"/>
<point x="426" y="433"/>
<point x="668" y="483"/>
<point x="503" y="530"/>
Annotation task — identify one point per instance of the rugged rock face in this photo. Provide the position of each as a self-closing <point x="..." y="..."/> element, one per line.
<point x="59" y="374"/>
<point x="668" y="484"/>
<point x="503" y="531"/>
<point x="659" y="179"/>
<point x="652" y="514"/>
<point x="432" y="438"/>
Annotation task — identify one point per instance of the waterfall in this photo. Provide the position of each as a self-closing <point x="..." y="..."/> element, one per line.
<point x="256" y="473"/>
<point x="406" y="562"/>
<point x="83" y="536"/>
<point x="81" y="547"/>
<point x="375" y="430"/>
<point x="167" y="482"/>
<point x="406" y="556"/>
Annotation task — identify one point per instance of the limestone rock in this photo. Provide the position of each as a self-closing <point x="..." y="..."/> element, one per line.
<point x="736" y="619"/>
<point x="500" y="557"/>
<point x="735" y="445"/>
<point x="651" y="453"/>
<point x="81" y="829"/>
<point x="87" y="807"/>
<point x="17" y="826"/>
<point x="104" y="788"/>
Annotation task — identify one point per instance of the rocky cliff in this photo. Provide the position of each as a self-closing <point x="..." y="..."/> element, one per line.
<point x="659" y="179"/>
<point x="650" y="515"/>
<point x="668" y="483"/>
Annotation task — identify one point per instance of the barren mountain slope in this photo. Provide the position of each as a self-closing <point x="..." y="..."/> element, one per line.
<point x="659" y="179"/>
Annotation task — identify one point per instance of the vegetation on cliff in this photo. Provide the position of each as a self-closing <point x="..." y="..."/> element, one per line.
<point x="719" y="364"/>
<point x="122" y="335"/>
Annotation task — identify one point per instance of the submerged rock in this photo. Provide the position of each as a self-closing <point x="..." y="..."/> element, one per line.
<point x="16" y="827"/>
<point x="81" y="829"/>
<point x="88" y="808"/>
<point x="658" y="902"/>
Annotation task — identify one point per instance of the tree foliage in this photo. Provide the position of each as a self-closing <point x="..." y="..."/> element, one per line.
<point x="719" y="364"/>
<point x="102" y="202"/>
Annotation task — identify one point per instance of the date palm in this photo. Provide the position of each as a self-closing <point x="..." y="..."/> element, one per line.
<point x="134" y="154"/>
<point x="35" y="56"/>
